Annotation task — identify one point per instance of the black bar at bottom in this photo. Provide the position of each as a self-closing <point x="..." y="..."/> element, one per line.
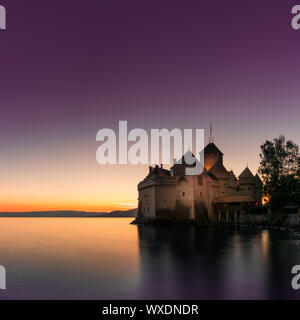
<point x="160" y="309"/>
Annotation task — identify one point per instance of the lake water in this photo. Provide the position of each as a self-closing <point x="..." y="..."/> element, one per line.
<point x="107" y="258"/>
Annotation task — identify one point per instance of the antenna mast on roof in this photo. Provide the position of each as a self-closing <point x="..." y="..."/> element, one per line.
<point x="211" y="138"/>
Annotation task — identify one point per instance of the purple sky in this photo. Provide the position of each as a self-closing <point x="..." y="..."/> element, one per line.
<point x="70" y="68"/>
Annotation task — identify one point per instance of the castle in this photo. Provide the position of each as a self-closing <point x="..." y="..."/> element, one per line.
<point x="215" y="195"/>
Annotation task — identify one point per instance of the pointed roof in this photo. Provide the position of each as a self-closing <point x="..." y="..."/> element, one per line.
<point x="212" y="148"/>
<point x="219" y="170"/>
<point x="211" y="175"/>
<point x="231" y="175"/>
<point x="206" y="173"/>
<point x="246" y="174"/>
<point x="258" y="178"/>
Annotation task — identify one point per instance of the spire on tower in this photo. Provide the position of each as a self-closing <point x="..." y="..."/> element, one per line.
<point x="211" y="138"/>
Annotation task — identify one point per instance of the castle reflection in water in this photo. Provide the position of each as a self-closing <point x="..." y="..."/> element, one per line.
<point x="194" y="262"/>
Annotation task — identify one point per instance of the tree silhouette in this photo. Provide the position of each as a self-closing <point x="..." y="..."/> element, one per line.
<point x="280" y="171"/>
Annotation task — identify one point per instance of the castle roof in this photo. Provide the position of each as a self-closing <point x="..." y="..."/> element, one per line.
<point x="219" y="170"/>
<point x="211" y="175"/>
<point x="246" y="174"/>
<point x="258" y="178"/>
<point x="212" y="148"/>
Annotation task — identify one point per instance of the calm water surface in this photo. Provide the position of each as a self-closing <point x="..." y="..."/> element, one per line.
<point x="107" y="258"/>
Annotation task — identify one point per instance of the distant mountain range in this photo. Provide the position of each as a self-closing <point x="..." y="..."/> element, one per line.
<point x="72" y="214"/>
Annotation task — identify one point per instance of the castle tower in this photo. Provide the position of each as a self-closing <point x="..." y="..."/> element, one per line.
<point x="250" y="185"/>
<point x="212" y="154"/>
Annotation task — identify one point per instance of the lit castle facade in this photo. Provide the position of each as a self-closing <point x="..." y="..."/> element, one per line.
<point x="214" y="195"/>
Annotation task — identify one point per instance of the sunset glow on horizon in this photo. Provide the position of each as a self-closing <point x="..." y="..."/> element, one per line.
<point x="167" y="66"/>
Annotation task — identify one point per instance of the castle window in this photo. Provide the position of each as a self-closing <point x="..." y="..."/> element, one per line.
<point x="183" y="194"/>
